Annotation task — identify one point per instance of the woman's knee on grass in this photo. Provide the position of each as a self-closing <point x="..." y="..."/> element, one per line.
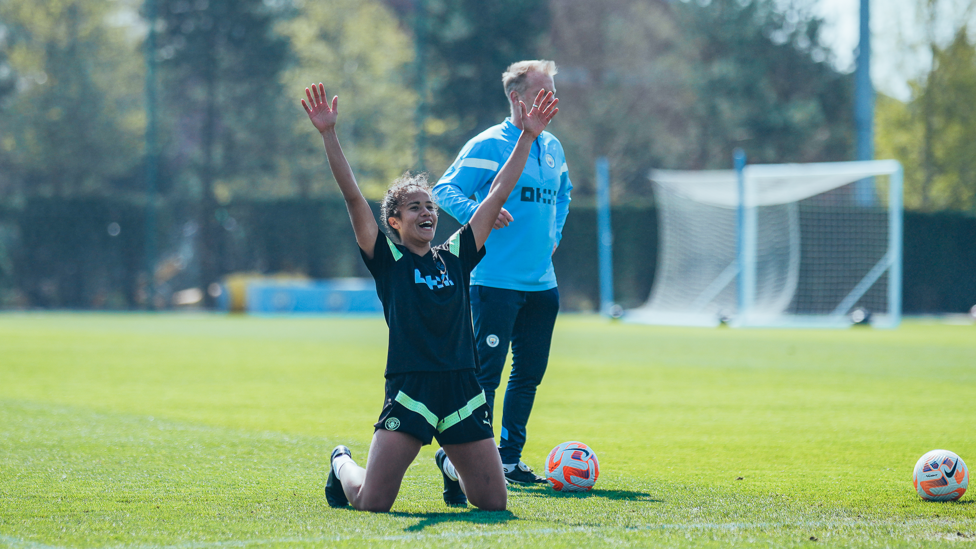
<point x="490" y="500"/>
<point x="390" y="453"/>
<point x="480" y="472"/>
<point x="376" y="504"/>
<point x="485" y="487"/>
<point x="377" y="499"/>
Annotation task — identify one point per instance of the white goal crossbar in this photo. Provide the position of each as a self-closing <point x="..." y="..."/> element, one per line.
<point x="777" y="245"/>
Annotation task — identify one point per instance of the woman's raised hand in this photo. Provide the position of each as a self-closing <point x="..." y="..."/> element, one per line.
<point x="543" y="109"/>
<point x="323" y="116"/>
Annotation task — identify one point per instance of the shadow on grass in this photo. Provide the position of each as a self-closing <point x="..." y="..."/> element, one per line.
<point x="543" y="490"/>
<point x="474" y="517"/>
<point x="502" y="517"/>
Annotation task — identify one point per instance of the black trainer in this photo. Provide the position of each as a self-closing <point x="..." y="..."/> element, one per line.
<point x="453" y="495"/>
<point x="333" y="488"/>
<point x="522" y="474"/>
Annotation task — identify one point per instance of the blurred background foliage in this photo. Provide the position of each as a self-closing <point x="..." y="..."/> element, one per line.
<point x="934" y="133"/>
<point x="72" y="112"/>
<point x="647" y="83"/>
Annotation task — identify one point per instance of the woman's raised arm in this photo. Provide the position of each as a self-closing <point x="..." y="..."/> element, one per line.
<point x="324" y="117"/>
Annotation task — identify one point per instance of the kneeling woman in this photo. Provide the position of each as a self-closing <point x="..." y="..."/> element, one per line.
<point x="431" y="388"/>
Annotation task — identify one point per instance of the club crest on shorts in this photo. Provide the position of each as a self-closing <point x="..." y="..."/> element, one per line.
<point x="492" y="340"/>
<point x="550" y="160"/>
<point x="392" y="424"/>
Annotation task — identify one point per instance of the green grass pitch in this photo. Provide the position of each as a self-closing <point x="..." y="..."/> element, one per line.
<point x="211" y="431"/>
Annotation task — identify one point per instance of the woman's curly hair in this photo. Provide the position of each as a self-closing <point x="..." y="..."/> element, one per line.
<point x="395" y="197"/>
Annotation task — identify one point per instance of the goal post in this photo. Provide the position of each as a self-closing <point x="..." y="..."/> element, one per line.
<point x="778" y="245"/>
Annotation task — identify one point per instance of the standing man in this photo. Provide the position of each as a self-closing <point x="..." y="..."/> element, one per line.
<point x="514" y="299"/>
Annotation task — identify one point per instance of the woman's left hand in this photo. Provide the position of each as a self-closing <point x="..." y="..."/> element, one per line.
<point x="543" y="109"/>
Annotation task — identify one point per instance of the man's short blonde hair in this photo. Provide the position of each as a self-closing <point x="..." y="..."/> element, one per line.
<point x="515" y="75"/>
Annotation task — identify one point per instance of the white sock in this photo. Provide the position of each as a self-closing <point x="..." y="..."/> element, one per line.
<point x="449" y="469"/>
<point x="339" y="461"/>
<point x="509" y="467"/>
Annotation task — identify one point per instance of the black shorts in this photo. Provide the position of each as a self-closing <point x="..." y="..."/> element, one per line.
<point x="448" y="406"/>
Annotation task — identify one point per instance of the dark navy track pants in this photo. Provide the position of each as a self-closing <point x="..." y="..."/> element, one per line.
<point x="525" y="320"/>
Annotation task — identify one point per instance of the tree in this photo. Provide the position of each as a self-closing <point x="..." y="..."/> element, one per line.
<point x="680" y="85"/>
<point x="357" y="50"/>
<point x="219" y="72"/>
<point x="8" y="80"/>
<point x="932" y="135"/>
<point x="625" y="90"/>
<point x="73" y="123"/>
<point x="464" y="46"/>
<point x="766" y="84"/>
<point x="7" y="75"/>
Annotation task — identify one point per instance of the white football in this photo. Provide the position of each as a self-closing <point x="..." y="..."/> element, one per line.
<point x="941" y="475"/>
<point x="572" y="467"/>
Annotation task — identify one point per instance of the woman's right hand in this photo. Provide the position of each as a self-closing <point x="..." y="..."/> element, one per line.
<point x="322" y="116"/>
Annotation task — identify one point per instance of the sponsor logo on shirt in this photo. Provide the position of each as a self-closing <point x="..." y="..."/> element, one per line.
<point x="441" y="281"/>
<point x="540" y="195"/>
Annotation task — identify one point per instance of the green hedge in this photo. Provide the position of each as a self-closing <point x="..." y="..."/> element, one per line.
<point x="59" y="253"/>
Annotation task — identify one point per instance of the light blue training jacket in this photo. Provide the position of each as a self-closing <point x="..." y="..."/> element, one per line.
<point x="519" y="257"/>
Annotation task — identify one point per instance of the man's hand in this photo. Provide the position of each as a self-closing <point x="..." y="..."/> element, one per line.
<point x="322" y="116"/>
<point x="543" y="109"/>
<point x="504" y="218"/>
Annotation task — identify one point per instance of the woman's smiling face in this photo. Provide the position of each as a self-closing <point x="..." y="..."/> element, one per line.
<point x="417" y="220"/>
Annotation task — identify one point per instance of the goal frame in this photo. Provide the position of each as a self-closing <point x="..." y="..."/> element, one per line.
<point x="739" y="188"/>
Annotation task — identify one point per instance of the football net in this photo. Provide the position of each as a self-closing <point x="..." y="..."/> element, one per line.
<point x="815" y="245"/>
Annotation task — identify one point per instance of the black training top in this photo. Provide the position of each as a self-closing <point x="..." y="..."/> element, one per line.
<point x="426" y="304"/>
